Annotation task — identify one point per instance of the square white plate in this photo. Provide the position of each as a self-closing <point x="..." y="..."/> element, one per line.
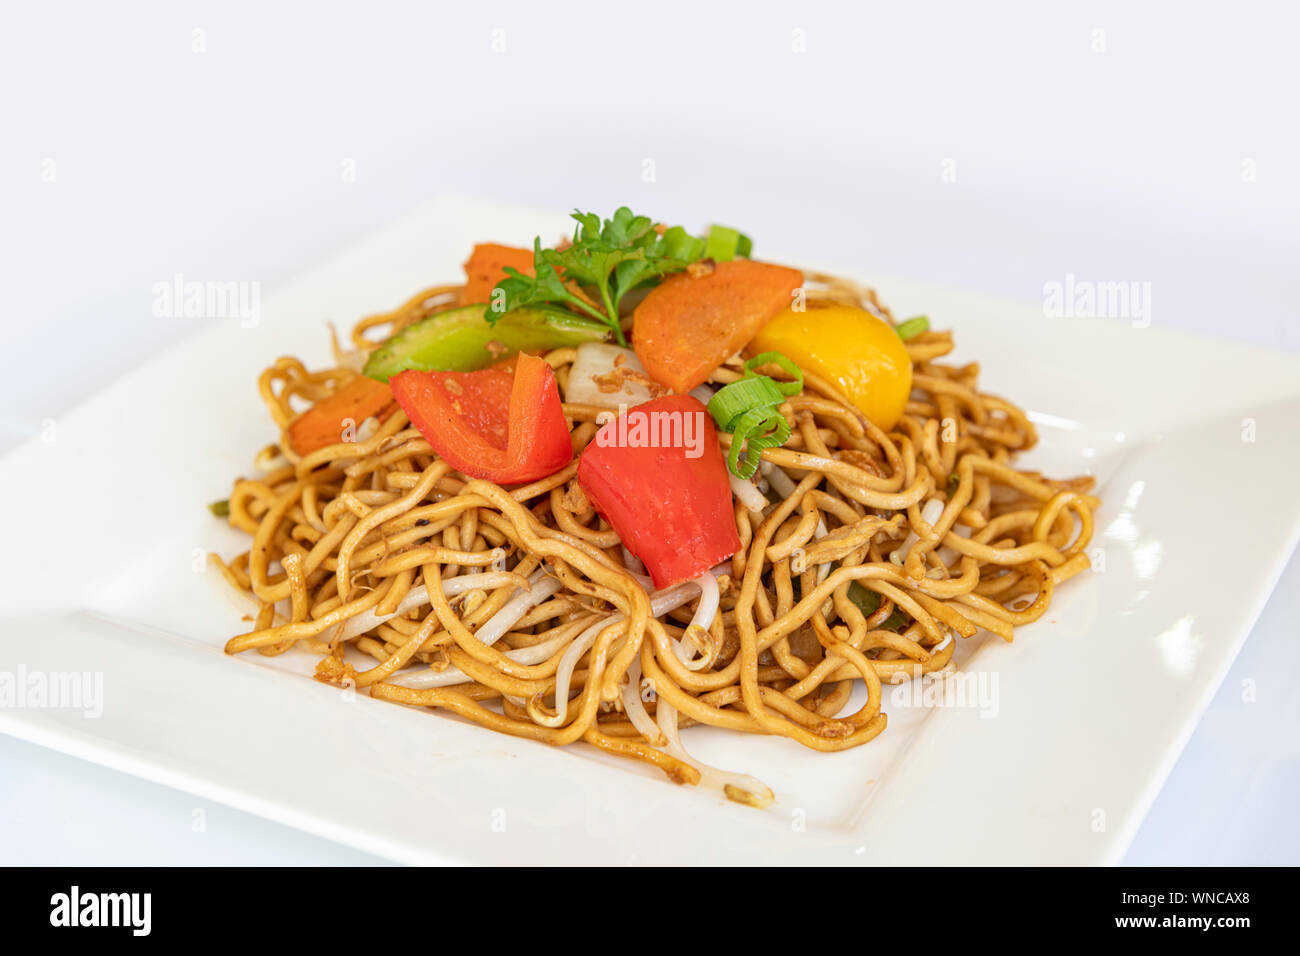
<point x="1194" y="442"/>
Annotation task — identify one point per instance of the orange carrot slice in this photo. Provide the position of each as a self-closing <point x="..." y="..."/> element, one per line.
<point x="689" y="325"/>
<point x="486" y="267"/>
<point x="324" y="423"/>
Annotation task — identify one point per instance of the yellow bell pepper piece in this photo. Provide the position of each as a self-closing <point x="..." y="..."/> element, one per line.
<point x="850" y="347"/>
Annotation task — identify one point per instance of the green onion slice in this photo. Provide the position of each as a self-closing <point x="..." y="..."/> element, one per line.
<point x="757" y="429"/>
<point x="679" y="244"/>
<point x="220" y="508"/>
<point x="734" y="400"/>
<point x="913" y="327"/>
<point x="776" y="358"/>
<point x="723" y="244"/>
<point x="748" y="408"/>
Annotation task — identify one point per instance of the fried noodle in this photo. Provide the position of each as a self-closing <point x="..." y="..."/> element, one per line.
<point x="519" y="609"/>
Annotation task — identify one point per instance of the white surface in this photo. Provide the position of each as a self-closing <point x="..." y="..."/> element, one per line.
<point x="226" y="165"/>
<point x="1051" y="760"/>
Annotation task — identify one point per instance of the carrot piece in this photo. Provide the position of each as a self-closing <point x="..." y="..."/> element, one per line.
<point x="323" y="424"/>
<point x="689" y="325"/>
<point x="485" y="269"/>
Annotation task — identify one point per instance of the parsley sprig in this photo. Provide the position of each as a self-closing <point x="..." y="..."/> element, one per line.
<point x="609" y="256"/>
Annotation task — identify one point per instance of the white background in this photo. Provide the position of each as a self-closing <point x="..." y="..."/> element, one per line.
<point x="996" y="147"/>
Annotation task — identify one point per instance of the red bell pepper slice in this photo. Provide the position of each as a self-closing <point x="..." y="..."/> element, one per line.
<point x="503" y="423"/>
<point x="662" y="484"/>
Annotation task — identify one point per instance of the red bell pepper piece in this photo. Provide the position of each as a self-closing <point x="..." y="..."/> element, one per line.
<point x="503" y="423"/>
<point x="658" y="477"/>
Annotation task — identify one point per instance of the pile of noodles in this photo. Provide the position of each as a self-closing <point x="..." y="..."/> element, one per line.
<point x="519" y="609"/>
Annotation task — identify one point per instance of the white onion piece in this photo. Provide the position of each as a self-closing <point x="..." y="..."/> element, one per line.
<point x="419" y="595"/>
<point x="595" y="359"/>
<point x="701" y="393"/>
<point x="711" y="778"/>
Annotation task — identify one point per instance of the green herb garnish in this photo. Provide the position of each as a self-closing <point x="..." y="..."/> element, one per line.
<point x="220" y="509"/>
<point x="611" y="257"/>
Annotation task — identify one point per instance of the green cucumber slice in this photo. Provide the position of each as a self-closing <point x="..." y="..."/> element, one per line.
<point x="461" y="340"/>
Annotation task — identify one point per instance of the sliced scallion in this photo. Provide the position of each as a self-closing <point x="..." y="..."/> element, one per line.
<point x="793" y="387"/>
<point x="913" y="327"/>
<point x="757" y="429"/>
<point x="677" y="243"/>
<point x="722" y="244"/>
<point x="734" y="400"/>
<point x="749" y="409"/>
